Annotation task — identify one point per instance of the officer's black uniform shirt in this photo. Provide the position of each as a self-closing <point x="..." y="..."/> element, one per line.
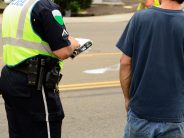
<point x="47" y="27"/>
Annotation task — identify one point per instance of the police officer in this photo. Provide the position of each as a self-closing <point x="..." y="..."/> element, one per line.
<point x="35" y="43"/>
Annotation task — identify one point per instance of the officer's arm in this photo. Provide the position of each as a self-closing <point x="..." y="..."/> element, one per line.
<point x="65" y="52"/>
<point x="125" y="77"/>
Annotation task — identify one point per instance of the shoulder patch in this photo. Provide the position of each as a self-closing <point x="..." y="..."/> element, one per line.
<point x="57" y="16"/>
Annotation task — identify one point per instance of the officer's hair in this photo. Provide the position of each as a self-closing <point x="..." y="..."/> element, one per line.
<point x="179" y="1"/>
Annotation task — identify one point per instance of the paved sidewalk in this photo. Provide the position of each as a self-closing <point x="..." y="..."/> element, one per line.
<point x="106" y="18"/>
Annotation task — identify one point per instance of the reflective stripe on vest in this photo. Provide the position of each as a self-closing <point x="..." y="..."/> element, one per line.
<point x="20" y="42"/>
<point x="26" y="44"/>
<point x="23" y="17"/>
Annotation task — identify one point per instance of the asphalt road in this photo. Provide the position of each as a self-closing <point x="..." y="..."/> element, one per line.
<point x="90" y="91"/>
<point x="103" y="54"/>
<point x="97" y="113"/>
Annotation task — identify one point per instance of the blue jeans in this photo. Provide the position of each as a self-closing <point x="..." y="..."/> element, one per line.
<point x="141" y="128"/>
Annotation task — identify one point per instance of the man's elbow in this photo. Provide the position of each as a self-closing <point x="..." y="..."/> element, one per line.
<point x="125" y="60"/>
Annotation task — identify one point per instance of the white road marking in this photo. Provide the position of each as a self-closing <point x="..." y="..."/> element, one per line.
<point x="103" y="70"/>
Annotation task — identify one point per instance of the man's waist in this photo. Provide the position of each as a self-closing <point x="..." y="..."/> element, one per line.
<point x="163" y="113"/>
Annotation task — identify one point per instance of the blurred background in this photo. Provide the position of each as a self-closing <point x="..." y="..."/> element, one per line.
<point x="90" y="7"/>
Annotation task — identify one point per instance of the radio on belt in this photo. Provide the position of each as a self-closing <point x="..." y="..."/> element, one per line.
<point x="84" y="45"/>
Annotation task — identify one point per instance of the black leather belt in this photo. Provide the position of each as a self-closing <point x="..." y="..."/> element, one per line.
<point x="21" y="68"/>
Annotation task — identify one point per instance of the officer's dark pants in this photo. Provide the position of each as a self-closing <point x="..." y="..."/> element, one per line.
<point x="25" y="107"/>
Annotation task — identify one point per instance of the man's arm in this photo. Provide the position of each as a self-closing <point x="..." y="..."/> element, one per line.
<point x="64" y="53"/>
<point x="125" y="77"/>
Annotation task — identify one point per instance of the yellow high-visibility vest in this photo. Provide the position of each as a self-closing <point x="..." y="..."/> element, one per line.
<point x="20" y="42"/>
<point x="143" y="6"/>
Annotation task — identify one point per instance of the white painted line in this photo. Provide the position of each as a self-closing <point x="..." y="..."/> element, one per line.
<point x="103" y="70"/>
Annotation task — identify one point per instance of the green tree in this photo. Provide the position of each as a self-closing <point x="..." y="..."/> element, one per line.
<point x="73" y="5"/>
<point x="84" y="4"/>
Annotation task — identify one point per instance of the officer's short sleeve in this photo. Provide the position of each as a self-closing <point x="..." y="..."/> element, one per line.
<point x="48" y="23"/>
<point x="126" y="41"/>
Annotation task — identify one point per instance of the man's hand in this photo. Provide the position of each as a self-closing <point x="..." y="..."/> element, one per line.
<point x="126" y="104"/>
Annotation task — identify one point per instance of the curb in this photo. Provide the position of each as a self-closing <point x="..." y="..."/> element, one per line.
<point x="109" y="3"/>
<point x="96" y="19"/>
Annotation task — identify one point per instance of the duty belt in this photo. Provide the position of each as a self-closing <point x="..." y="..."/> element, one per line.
<point x="24" y="68"/>
<point x="41" y="71"/>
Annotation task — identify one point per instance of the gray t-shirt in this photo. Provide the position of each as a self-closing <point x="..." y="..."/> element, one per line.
<point x="154" y="38"/>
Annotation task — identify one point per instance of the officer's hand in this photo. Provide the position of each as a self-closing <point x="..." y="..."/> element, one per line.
<point x="66" y="52"/>
<point x="83" y="41"/>
<point x="85" y="44"/>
